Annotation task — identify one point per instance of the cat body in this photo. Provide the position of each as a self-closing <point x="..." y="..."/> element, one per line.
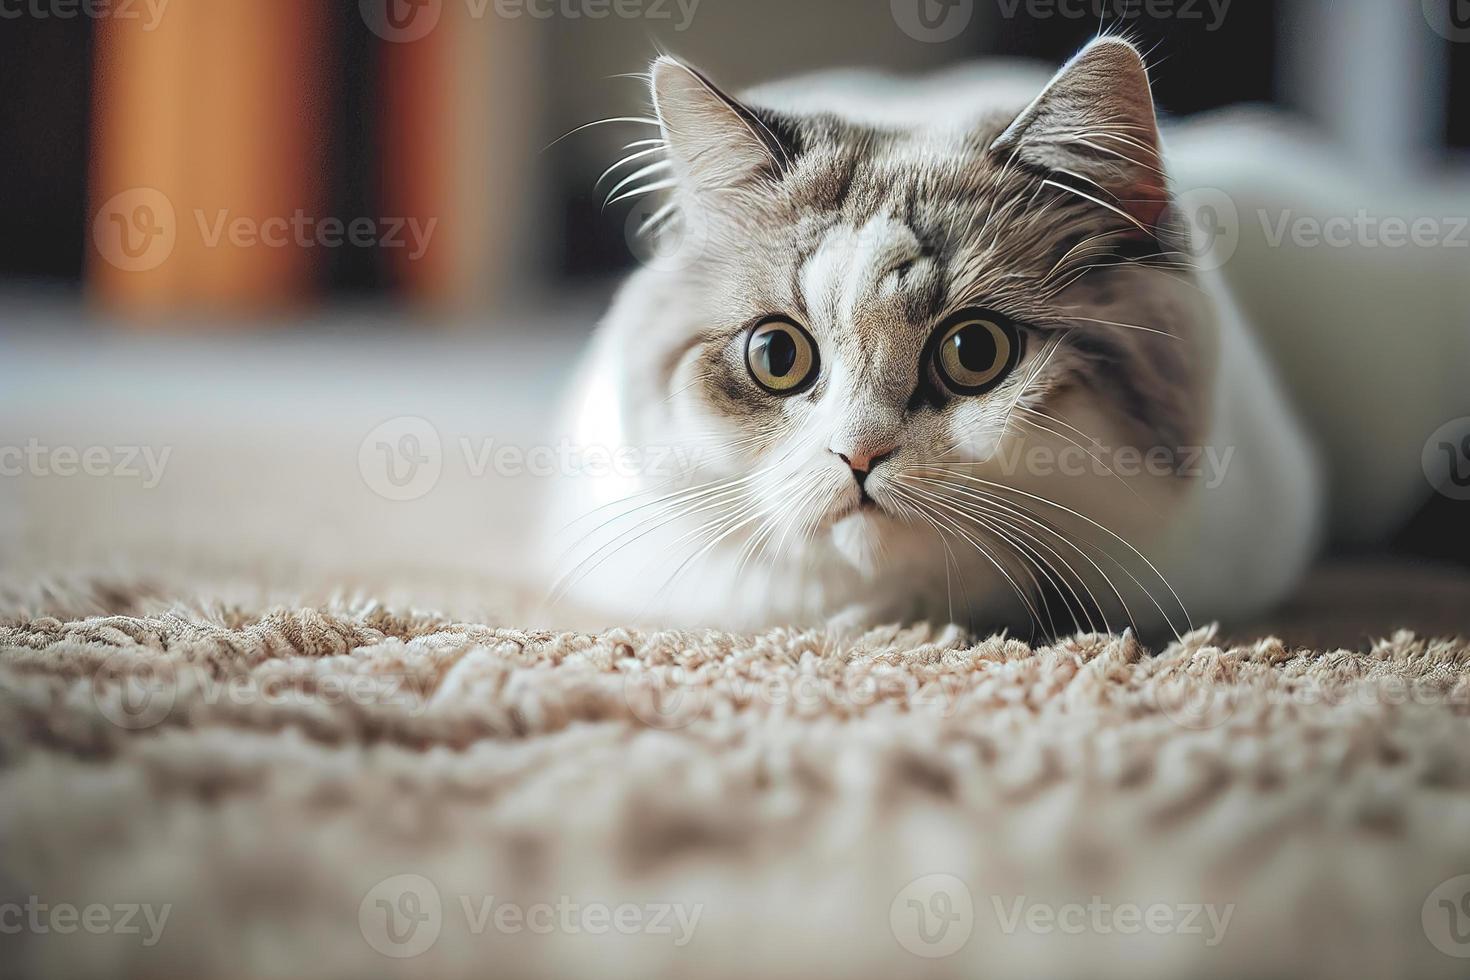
<point x="952" y="349"/>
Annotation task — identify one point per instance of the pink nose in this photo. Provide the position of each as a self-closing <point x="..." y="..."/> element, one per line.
<point x="862" y="458"/>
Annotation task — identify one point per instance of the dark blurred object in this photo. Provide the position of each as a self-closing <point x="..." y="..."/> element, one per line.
<point x="44" y="121"/>
<point x="1457" y="118"/>
<point x="1195" y="63"/>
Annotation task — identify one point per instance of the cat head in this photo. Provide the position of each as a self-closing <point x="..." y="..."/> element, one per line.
<point x="870" y="309"/>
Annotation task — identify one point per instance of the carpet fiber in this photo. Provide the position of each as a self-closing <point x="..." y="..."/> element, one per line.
<point x="317" y="784"/>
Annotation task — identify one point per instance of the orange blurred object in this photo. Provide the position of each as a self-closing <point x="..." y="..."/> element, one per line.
<point x="208" y="142"/>
<point x="459" y="111"/>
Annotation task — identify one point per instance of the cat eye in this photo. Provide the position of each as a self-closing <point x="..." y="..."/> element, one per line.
<point x="976" y="350"/>
<point x="781" y="356"/>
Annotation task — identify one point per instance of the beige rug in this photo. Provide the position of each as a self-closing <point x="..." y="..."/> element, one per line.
<point x="232" y="781"/>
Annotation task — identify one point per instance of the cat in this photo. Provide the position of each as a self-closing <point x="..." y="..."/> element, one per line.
<point x="952" y="349"/>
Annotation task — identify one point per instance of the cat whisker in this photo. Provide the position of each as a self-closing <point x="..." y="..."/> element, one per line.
<point x="632" y="120"/>
<point x="1020" y="513"/>
<point x="941" y="523"/>
<point x="1107" y="531"/>
<point x="691" y="495"/>
<point x="1123" y="326"/>
<point x="683" y="388"/>
<point x="1100" y="203"/>
<point x="1111" y="233"/>
<point x="1002" y="508"/>
<point x="1014" y="517"/>
<point x="1082" y="139"/>
<point x="658" y="185"/>
<point x="913" y="507"/>
<point x="635" y="176"/>
<point x="720" y="529"/>
<point x="670" y="510"/>
<point x="1002" y="522"/>
<point x="1064" y="436"/>
<point x="657" y="218"/>
<point x="1144" y="264"/>
<point x="630" y="158"/>
<point x="1026" y="561"/>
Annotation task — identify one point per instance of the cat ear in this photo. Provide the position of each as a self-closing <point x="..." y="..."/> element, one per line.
<point x="1096" y="121"/>
<point x="714" y="141"/>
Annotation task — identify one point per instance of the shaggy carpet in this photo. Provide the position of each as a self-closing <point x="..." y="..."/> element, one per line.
<point x="234" y="782"/>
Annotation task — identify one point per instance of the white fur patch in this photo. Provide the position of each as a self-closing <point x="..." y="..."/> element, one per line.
<point x="852" y="264"/>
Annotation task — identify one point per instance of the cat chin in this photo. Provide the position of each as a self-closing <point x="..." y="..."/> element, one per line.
<point x="856" y="539"/>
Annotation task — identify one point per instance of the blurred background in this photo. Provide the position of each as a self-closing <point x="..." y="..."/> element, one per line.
<point x="442" y="110"/>
<point x="299" y="179"/>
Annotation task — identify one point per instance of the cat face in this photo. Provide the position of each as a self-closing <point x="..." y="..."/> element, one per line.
<point x="869" y="315"/>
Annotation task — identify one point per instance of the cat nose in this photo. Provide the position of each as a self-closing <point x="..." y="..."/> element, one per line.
<point x="862" y="459"/>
